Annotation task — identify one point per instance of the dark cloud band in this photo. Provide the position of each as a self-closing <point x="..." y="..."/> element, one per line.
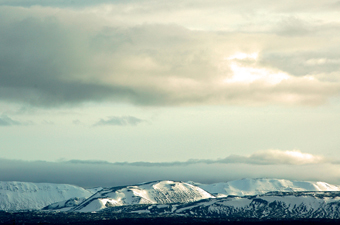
<point x="268" y="157"/>
<point x="94" y="174"/>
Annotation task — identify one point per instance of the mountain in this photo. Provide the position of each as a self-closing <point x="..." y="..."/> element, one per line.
<point x="25" y="195"/>
<point x="63" y="197"/>
<point x="261" y="185"/>
<point x="165" y="192"/>
<point x="269" y="206"/>
<point x="157" y="192"/>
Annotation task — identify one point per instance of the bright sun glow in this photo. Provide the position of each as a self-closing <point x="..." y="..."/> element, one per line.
<point x="242" y="55"/>
<point x="300" y="155"/>
<point x="247" y="74"/>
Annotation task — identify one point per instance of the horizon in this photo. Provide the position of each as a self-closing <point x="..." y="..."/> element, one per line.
<point x="182" y="181"/>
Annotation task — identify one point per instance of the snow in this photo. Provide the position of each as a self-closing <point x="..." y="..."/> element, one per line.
<point x="291" y="201"/>
<point x="322" y="186"/>
<point x="94" y="190"/>
<point x="95" y="205"/>
<point x="159" y="192"/>
<point x="62" y="204"/>
<point x="306" y="205"/>
<point x="63" y="197"/>
<point x="261" y="186"/>
<point x="24" y="195"/>
<point x="162" y="206"/>
<point x="141" y="211"/>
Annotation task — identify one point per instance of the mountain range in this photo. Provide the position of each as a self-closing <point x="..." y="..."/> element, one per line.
<point x="245" y="198"/>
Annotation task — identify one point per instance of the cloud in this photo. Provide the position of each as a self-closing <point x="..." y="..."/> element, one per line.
<point x="76" y="122"/>
<point x="229" y="5"/>
<point x="51" y="57"/>
<point x="324" y="62"/>
<point x="7" y="121"/>
<point x="119" y="121"/>
<point x="47" y="122"/>
<point x="265" y="157"/>
<point x="61" y="3"/>
<point x="291" y="157"/>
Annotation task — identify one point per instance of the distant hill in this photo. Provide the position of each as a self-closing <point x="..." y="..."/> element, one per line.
<point x="24" y="195"/>
<point x="157" y="192"/>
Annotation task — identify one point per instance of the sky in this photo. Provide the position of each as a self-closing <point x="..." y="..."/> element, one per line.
<point x="113" y="92"/>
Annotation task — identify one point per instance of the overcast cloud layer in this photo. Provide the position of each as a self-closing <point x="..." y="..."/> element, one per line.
<point x="55" y="53"/>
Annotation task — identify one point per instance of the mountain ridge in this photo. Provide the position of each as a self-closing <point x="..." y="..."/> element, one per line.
<point x="284" y="205"/>
<point x="253" y="186"/>
<point x="61" y="197"/>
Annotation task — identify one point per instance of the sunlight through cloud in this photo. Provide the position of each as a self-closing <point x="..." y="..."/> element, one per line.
<point x="249" y="74"/>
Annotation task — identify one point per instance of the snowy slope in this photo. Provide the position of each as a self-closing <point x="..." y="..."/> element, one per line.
<point x="275" y="205"/>
<point x="94" y="190"/>
<point x="159" y="192"/>
<point x="164" y="192"/>
<point x="270" y="205"/>
<point x="25" y="195"/>
<point x="261" y="186"/>
<point x="65" y="205"/>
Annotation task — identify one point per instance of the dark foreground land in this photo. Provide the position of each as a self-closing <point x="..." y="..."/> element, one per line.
<point x="38" y="217"/>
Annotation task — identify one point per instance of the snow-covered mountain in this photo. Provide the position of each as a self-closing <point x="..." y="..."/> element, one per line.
<point x="274" y="205"/>
<point x="62" y="197"/>
<point x="158" y="192"/>
<point x="164" y="192"/>
<point x="260" y="186"/>
<point x="25" y="195"/>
